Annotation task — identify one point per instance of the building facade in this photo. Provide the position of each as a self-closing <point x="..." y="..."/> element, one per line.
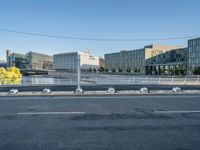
<point x="134" y="60"/>
<point x="31" y="60"/>
<point x="125" y="61"/>
<point x="193" y="54"/>
<point x="3" y="64"/>
<point x="39" y="61"/>
<point x="69" y="61"/>
<point x="101" y="62"/>
<point x="16" y="59"/>
<point x="172" y="62"/>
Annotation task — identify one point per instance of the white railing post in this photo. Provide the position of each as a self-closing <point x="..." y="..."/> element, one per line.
<point x="172" y="80"/>
<point x="185" y="80"/>
<point x="159" y="80"/>
<point x="197" y="80"/>
<point x="78" y="71"/>
<point x="133" y="80"/>
<point x="121" y="80"/>
<point x="146" y="79"/>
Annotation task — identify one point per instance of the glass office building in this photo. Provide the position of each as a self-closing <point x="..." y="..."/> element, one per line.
<point x="193" y="54"/>
<point x="31" y="60"/>
<point x="39" y="61"/>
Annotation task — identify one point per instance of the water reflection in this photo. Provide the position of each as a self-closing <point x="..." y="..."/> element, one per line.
<point x="31" y="80"/>
<point x="10" y="81"/>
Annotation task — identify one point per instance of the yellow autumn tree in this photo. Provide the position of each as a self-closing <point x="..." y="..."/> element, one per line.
<point x="10" y="76"/>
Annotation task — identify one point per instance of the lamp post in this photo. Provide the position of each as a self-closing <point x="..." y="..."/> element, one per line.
<point x="78" y="90"/>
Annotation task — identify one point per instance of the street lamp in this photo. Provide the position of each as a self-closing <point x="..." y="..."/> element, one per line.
<point x="78" y="90"/>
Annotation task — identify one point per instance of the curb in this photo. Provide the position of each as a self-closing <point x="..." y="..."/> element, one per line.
<point x="100" y="93"/>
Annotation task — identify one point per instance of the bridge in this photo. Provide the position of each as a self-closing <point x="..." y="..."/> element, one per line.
<point x="26" y="72"/>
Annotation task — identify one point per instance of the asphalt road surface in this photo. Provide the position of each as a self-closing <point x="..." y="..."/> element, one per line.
<point x="102" y="123"/>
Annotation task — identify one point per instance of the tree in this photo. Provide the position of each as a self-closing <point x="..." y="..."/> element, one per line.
<point x="177" y="71"/>
<point x="172" y="71"/>
<point x="113" y="70"/>
<point x="90" y="69"/>
<point x="120" y="70"/>
<point x="196" y="71"/>
<point x="135" y="70"/>
<point x="101" y="69"/>
<point x="155" y="71"/>
<point x="182" y="71"/>
<point x="128" y="70"/>
<point x="148" y="70"/>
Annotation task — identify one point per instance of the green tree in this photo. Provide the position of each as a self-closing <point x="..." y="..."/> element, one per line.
<point x="90" y="69"/>
<point x="120" y="70"/>
<point x="101" y="69"/>
<point x="182" y="71"/>
<point x="128" y="70"/>
<point x="135" y="70"/>
<point x="177" y="71"/>
<point x="196" y="71"/>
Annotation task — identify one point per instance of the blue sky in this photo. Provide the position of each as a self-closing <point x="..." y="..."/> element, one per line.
<point x="95" y="19"/>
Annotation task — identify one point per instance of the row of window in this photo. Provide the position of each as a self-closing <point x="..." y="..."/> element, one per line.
<point x="194" y="42"/>
<point x="194" y="61"/>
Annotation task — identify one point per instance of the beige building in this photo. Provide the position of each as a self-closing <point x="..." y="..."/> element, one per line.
<point x="39" y="61"/>
<point x="68" y="61"/>
<point x="134" y="60"/>
<point x="101" y="62"/>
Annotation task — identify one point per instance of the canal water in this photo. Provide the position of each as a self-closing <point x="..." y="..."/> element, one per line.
<point x="35" y="80"/>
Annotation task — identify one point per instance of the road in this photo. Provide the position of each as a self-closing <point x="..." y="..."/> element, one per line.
<point x="102" y="123"/>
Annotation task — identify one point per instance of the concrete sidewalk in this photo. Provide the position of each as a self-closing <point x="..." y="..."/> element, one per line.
<point x="104" y="93"/>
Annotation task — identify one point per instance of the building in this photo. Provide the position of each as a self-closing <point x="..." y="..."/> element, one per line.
<point x="172" y="62"/>
<point x="125" y="61"/>
<point x="3" y="64"/>
<point x="193" y="54"/>
<point x="31" y="60"/>
<point x="134" y="60"/>
<point x="39" y="61"/>
<point x="69" y="61"/>
<point x="16" y="59"/>
<point x="101" y="62"/>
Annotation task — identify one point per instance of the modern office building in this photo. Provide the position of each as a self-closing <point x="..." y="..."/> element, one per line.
<point x="69" y="61"/>
<point x="193" y="54"/>
<point x="16" y="59"/>
<point x="31" y="60"/>
<point x="125" y="61"/>
<point x="39" y="61"/>
<point x="172" y="62"/>
<point x="3" y="64"/>
<point x="134" y="60"/>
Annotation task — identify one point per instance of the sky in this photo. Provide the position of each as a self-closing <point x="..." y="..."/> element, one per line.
<point x="118" y="19"/>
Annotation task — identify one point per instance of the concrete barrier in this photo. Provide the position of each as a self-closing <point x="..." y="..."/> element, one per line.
<point x="103" y="93"/>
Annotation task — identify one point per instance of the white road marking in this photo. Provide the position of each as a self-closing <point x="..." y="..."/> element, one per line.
<point x="50" y="113"/>
<point x="176" y="111"/>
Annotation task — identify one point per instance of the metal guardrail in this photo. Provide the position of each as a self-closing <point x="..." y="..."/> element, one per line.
<point x="112" y="80"/>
